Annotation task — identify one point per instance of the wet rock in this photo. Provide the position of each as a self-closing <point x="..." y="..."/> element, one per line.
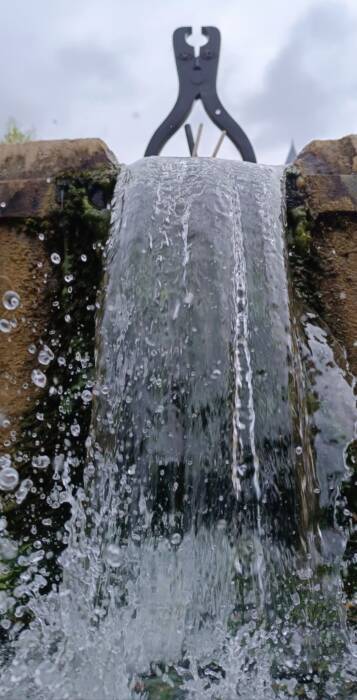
<point x="322" y="197"/>
<point x="54" y="220"/>
<point x="322" y="218"/>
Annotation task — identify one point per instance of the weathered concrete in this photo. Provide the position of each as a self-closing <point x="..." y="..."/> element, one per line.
<point x="53" y="200"/>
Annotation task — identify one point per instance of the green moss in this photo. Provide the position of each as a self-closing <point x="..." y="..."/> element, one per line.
<point x="300" y="231"/>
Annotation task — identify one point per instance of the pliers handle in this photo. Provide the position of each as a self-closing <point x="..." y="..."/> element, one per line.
<point x="197" y="80"/>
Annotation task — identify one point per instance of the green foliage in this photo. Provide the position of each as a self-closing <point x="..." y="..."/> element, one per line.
<point x="14" y="135"/>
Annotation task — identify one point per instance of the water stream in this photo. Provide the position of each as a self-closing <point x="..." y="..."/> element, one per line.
<point x="196" y="564"/>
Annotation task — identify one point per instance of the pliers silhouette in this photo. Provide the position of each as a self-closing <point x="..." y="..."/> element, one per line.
<point x="197" y="80"/>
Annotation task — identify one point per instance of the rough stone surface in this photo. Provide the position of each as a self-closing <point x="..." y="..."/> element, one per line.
<point x="326" y="175"/>
<point x="30" y="216"/>
<point x="322" y="217"/>
<point x="24" y="268"/>
<point x="28" y="172"/>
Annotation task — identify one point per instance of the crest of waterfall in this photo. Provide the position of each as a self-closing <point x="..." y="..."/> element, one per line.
<point x="187" y="571"/>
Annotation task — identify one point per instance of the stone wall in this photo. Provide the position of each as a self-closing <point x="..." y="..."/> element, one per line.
<point x="54" y="220"/>
<point x="322" y="218"/>
<point x="323" y="205"/>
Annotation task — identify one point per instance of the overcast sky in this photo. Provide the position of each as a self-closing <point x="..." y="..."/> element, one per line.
<point x="76" y="68"/>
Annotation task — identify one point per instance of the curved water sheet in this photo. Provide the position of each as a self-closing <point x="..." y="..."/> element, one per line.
<point x="184" y="576"/>
<point x="195" y="343"/>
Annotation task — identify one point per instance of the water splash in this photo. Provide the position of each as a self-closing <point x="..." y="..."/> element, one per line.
<point x="183" y="576"/>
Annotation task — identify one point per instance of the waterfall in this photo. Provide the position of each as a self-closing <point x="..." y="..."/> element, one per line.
<point x="187" y="573"/>
<point x="196" y="312"/>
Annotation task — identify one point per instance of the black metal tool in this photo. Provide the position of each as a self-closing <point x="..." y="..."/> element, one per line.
<point x="190" y="139"/>
<point x="197" y="80"/>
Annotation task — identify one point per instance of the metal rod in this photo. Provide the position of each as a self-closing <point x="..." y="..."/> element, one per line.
<point x="189" y="136"/>
<point x="197" y="142"/>
<point x="219" y="144"/>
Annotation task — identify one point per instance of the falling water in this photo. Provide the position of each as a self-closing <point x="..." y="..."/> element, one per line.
<point x="188" y="573"/>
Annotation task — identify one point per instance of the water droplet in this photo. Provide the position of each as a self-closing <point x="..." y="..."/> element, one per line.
<point x="68" y="278"/>
<point x="5" y="461"/>
<point x="45" y="356"/>
<point x="41" y="236"/>
<point x="176" y="311"/>
<point x="113" y="555"/>
<point x="132" y="469"/>
<point x="11" y="300"/>
<point x="23" y="490"/>
<point x="56" y="259"/>
<point x="238" y="566"/>
<point x="298" y="450"/>
<point x="38" y="378"/>
<point x="40" y="461"/>
<point x="176" y="538"/>
<point x="5" y="326"/>
<point x="67" y="318"/>
<point x="75" y="429"/>
<point x="216" y="373"/>
<point x="86" y="396"/>
<point x="4" y="421"/>
<point x="84" y="257"/>
<point x="8" y="549"/>
<point x="188" y="298"/>
<point x="3" y="205"/>
<point x="48" y="180"/>
<point x="9" y="479"/>
<point x="31" y="349"/>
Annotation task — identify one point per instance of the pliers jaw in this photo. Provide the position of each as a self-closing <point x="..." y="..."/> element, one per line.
<point x="194" y="72"/>
<point x="197" y="80"/>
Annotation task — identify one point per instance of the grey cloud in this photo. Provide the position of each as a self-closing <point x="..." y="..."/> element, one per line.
<point x="59" y="81"/>
<point x="88" y="71"/>
<point x="308" y="86"/>
<point x="89" y="60"/>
